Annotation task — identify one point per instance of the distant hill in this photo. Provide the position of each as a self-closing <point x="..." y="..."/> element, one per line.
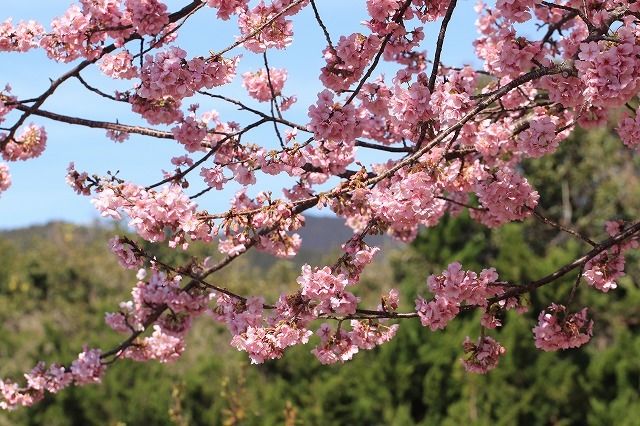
<point x="320" y="237"/>
<point x="326" y="233"/>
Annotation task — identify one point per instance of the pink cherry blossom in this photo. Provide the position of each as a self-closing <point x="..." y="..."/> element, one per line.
<point x="506" y="195"/>
<point x="30" y="143"/>
<point x="539" y="139"/>
<point x="347" y="61"/>
<point x="265" y="85"/>
<point x="483" y="354"/>
<point x="226" y="8"/>
<point x="126" y="257"/>
<point x="629" y="130"/>
<point x="20" y="38"/>
<point x="5" y="177"/>
<point x="559" y="330"/>
<point x="603" y="270"/>
<point x="149" y="17"/>
<point x="119" y="65"/>
<point x="88" y="368"/>
<point x="331" y="120"/>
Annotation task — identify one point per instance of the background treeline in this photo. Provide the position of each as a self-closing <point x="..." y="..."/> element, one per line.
<point x="56" y="282"/>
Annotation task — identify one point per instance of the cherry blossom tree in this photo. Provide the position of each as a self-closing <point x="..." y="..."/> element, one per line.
<point x="447" y="139"/>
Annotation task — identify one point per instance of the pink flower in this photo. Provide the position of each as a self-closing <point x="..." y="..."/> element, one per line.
<point x="119" y="65"/>
<point x="539" y="139"/>
<point x="149" y="17"/>
<point x="603" y="270"/>
<point x="265" y="86"/>
<point x="332" y="121"/>
<point x="504" y="194"/>
<point x="559" y="330"/>
<point x="226" y="8"/>
<point x="126" y="257"/>
<point x="629" y="130"/>
<point x="483" y="355"/>
<point x="88" y="368"/>
<point x="29" y="144"/>
<point x="5" y="177"/>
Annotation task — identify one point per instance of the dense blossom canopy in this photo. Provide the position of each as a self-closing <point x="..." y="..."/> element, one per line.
<point x="448" y="139"/>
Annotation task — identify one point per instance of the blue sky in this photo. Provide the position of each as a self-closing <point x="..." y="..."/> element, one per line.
<point x="39" y="193"/>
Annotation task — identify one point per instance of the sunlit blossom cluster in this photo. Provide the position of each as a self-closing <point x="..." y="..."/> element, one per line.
<point x="5" y="177"/>
<point x="169" y="73"/>
<point x="30" y="143"/>
<point x="453" y="289"/>
<point x="265" y="85"/>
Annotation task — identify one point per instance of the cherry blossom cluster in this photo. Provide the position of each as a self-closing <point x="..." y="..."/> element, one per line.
<point x="119" y="65"/>
<point x="20" y="38"/>
<point x="342" y="345"/>
<point x="408" y="200"/>
<point x="264" y="338"/>
<point x="629" y="130"/>
<point x="169" y="74"/>
<point x="603" y="270"/>
<point x="152" y="212"/>
<point x="540" y="138"/>
<point x="30" y="143"/>
<point x="78" y="181"/>
<point x="506" y="195"/>
<point x="149" y="17"/>
<point x="608" y="71"/>
<point x="327" y="290"/>
<point x="265" y="85"/>
<point x="322" y="293"/>
<point x="86" y="369"/>
<point x="505" y="54"/>
<point x="331" y="120"/>
<point x="347" y="61"/>
<point x="6" y="102"/>
<point x="558" y="329"/>
<point x="124" y="253"/>
<point x="226" y="8"/>
<point x="412" y="105"/>
<point x="483" y="354"/>
<point x="5" y="177"/>
<point x="453" y="289"/>
<point x="166" y="343"/>
<point x="265" y="26"/>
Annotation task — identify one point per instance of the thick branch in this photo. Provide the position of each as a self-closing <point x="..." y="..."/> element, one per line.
<point x="99" y="124"/>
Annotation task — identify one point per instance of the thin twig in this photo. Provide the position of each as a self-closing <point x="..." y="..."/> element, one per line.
<point x="562" y="228"/>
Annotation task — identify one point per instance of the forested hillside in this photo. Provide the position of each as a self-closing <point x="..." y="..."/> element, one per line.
<point x="56" y="282"/>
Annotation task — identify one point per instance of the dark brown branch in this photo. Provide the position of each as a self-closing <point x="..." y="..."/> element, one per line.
<point x="94" y="90"/>
<point x="273" y="103"/>
<point x="255" y="111"/>
<point x="383" y="147"/>
<point x="182" y="174"/>
<point x="441" y="35"/>
<point x="99" y="124"/>
<point x="324" y="28"/>
<point x="376" y="59"/>
<point x="528" y="288"/>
